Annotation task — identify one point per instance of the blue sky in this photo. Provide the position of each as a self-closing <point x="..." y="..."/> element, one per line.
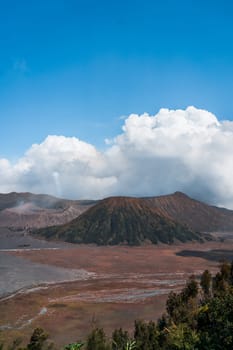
<point x="74" y="68"/>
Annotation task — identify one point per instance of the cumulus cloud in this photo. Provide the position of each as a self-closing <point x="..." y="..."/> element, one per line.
<point x="186" y="150"/>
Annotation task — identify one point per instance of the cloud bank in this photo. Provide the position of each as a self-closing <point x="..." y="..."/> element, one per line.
<point x="174" y="150"/>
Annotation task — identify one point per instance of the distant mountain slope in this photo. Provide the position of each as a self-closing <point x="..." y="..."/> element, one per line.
<point x="20" y="210"/>
<point x="197" y="215"/>
<point x="119" y="220"/>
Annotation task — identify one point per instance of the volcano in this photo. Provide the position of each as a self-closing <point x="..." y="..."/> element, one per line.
<point x="28" y="210"/>
<point x="197" y="215"/>
<point x="122" y="220"/>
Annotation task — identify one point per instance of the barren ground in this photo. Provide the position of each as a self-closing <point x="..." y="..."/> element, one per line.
<point x="111" y="287"/>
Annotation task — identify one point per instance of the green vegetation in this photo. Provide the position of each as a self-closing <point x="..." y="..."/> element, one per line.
<point x="200" y="317"/>
<point x="122" y="220"/>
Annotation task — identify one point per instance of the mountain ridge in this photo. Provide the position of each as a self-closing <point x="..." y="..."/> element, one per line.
<point x="195" y="214"/>
<point x="122" y="220"/>
<point x="28" y="210"/>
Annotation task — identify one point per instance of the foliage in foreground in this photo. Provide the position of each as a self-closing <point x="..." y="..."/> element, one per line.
<point x="200" y="317"/>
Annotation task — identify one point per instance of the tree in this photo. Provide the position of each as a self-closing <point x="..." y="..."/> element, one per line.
<point x="119" y="339"/>
<point x="172" y="305"/>
<point x="191" y="289"/>
<point x="205" y="283"/>
<point x="130" y="345"/>
<point x="220" y="285"/>
<point x="181" y="337"/>
<point x="38" y="340"/>
<point x="146" y="335"/>
<point x="231" y="274"/>
<point x="97" y="340"/>
<point x="215" y="323"/>
<point x="225" y="270"/>
<point x="74" y="346"/>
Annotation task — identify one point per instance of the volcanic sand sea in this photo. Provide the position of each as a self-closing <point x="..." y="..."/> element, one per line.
<point x="115" y="285"/>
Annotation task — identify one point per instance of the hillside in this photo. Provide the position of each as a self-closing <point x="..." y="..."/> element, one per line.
<point x="20" y="210"/>
<point x="27" y="210"/>
<point x="121" y="220"/>
<point x="195" y="214"/>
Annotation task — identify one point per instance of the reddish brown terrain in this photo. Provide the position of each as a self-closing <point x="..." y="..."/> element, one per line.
<point x="126" y="283"/>
<point x="73" y="287"/>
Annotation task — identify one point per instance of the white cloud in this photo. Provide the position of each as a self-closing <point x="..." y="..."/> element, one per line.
<point x="186" y="150"/>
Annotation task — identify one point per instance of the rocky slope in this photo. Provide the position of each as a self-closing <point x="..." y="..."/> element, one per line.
<point x="122" y="220"/>
<point x="27" y="210"/>
<point x="197" y="215"/>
